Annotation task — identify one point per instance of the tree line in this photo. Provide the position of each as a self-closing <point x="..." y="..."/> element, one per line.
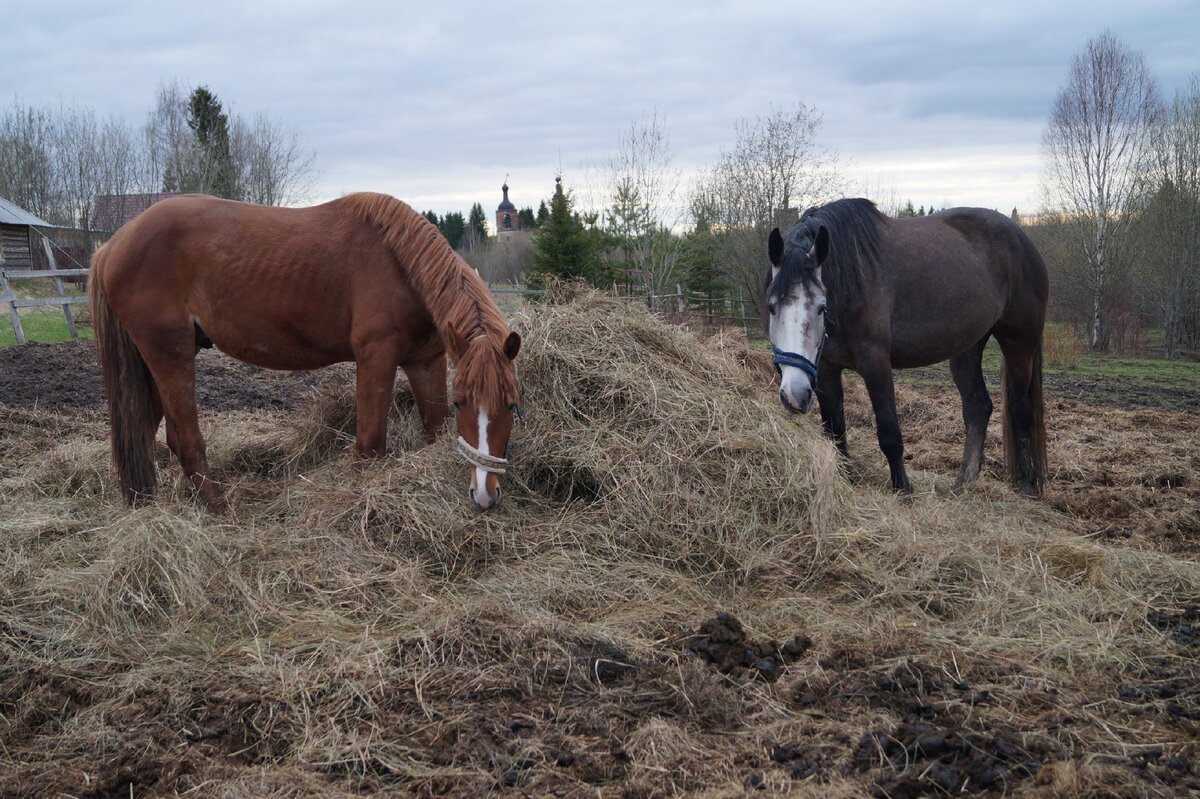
<point x="654" y="231"/>
<point x="56" y="160"/>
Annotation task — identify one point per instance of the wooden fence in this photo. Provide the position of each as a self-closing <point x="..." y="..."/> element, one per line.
<point x="680" y="306"/>
<point x="54" y="273"/>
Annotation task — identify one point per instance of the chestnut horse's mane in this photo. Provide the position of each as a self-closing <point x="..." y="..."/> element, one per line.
<point x="457" y="298"/>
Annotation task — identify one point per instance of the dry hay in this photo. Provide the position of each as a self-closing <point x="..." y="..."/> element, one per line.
<point x="351" y="629"/>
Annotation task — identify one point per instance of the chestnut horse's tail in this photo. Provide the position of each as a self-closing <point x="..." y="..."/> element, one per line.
<point x="1024" y="407"/>
<point x="129" y="387"/>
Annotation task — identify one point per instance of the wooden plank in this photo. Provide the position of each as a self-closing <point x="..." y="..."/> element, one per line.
<point x="22" y="274"/>
<point x="58" y="286"/>
<point x="71" y="299"/>
<point x="13" y="316"/>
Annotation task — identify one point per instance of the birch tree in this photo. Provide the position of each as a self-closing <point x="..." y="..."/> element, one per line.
<point x="1094" y="146"/>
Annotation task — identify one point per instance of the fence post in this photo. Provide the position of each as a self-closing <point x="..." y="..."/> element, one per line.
<point x="6" y="296"/>
<point x="66" y="307"/>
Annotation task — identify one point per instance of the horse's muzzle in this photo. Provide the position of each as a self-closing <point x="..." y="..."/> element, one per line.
<point x="798" y="404"/>
<point x="487" y="503"/>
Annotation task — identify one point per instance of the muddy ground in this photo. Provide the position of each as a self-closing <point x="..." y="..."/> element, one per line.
<point x="1121" y="467"/>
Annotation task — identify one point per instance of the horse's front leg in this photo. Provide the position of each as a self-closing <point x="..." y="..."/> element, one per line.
<point x="375" y="376"/>
<point x="829" y="399"/>
<point x="428" y="382"/>
<point x="876" y="371"/>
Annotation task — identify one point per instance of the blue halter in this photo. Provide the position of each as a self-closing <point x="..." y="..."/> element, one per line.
<point x="785" y="358"/>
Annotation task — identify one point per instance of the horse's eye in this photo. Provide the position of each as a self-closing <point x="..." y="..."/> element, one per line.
<point x="772" y="307"/>
<point x="456" y="405"/>
<point x="821" y="310"/>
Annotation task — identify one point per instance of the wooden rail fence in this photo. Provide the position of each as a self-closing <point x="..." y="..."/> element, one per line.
<point x="7" y="297"/>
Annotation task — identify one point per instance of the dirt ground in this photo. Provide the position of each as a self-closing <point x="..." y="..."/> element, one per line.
<point x="571" y="714"/>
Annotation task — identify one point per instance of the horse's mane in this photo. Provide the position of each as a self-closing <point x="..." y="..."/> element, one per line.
<point x="457" y="298"/>
<point x="854" y="227"/>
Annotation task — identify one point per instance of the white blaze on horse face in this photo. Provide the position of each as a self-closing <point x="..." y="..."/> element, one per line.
<point x="479" y="481"/>
<point x="798" y="325"/>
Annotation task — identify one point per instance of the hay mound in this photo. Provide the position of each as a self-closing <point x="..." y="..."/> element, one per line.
<point x="639" y="442"/>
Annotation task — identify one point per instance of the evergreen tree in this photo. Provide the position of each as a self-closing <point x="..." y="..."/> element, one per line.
<point x="1015" y="216"/>
<point x="921" y="211"/>
<point x="432" y="217"/>
<point x="453" y="227"/>
<point x="213" y="173"/>
<point x="543" y="213"/>
<point x="630" y="228"/>
<point x="476" y="226"/>
<point x="565" y="247"/>
<point x="907" y="211"/>
<point x="525" y="219"/>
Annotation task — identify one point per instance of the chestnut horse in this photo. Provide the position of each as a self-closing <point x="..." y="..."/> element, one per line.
<point x="849" y="288"/>
<point x="363" y="278"/>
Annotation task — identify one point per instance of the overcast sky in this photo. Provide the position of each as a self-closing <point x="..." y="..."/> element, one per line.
<point x="940" y="102"/>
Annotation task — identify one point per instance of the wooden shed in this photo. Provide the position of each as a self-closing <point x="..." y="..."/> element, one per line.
<point x="16" y="235"/>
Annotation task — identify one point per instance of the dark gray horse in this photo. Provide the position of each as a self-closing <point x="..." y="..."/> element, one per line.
<point x="850" y="288"/>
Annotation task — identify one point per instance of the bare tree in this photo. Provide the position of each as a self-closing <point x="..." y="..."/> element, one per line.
<point x="774" y="169"/>
<point x="647" y="204"/>
<point x="27" y="170"/>
<point x="272" y="164"/>
<point x="1094" y="146"/>
<point x="1170" y="221"/>
<point x="169" y="142"/>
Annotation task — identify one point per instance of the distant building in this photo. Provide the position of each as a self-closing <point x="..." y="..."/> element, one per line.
<point x="110" y="211"/>
<point x="507" y="220"/>
<point x="16" y="235"/>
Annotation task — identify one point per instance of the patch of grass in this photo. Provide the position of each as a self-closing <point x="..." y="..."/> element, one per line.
<point x="44" y="326"/>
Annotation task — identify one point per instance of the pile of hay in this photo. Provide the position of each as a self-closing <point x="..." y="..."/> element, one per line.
<point x="352" y="629"/>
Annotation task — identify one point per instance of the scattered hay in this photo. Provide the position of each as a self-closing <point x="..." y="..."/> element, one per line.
<point x="348" y="629"/>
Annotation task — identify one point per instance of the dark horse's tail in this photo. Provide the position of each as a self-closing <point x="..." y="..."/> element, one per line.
<point x="130" y="389"/>
<point x="1034" y="405"/>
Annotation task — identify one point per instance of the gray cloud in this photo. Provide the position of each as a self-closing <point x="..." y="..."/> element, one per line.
<point x="436" y="105"/>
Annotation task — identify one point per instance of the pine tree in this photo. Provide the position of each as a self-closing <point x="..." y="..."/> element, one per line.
<point x="453" y="227"/>
<point x="564" y="247"/>
<point x="213" y="174"/>
<point x="432" y="217"/>
<point x="543" y="213"/>
<point x="476" y="226"/>
<point x="526" y="219"/>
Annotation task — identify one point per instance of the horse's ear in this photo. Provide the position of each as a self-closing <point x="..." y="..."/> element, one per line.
<point x="822" y="245"/>
<point x="775" y="247"/>
<point x="512" y="345"/>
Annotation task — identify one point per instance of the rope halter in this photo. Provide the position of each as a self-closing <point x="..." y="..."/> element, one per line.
<point x="489" y="463"/>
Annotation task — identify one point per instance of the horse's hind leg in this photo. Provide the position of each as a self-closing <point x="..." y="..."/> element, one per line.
<point x="175" y="378"/>
<point x="1024" y="426"/>
<point x="967" y="369"/>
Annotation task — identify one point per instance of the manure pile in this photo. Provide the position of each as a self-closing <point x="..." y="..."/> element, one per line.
<point x="680" y="593"/>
